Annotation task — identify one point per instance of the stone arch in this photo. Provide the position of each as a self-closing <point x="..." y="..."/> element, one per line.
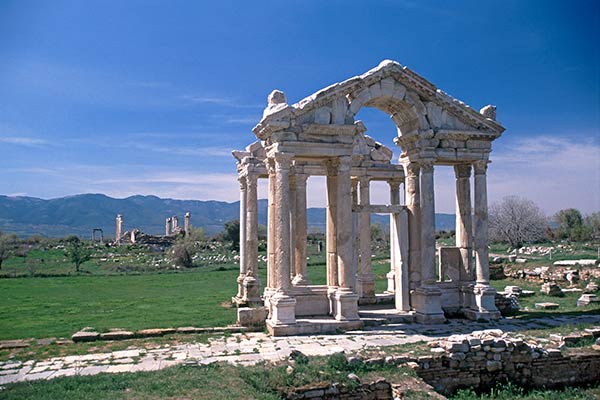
<point x="403" y="106"/>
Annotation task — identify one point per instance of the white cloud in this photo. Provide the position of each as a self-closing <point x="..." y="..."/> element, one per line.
<point x="23" y="141"/>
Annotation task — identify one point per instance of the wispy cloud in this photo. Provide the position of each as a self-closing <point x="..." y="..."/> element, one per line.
<point x="223" y="101"/>
<point x="24" y="141"/>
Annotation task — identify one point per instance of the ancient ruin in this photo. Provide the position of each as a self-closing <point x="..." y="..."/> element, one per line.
<point x="320" y="136"/>
<point x="136" y="236"/>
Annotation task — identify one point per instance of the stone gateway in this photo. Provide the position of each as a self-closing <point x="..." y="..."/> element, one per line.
<point x="319" y="136"/>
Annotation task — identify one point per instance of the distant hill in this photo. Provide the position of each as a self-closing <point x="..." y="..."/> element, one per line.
<point x="80" y="214"/>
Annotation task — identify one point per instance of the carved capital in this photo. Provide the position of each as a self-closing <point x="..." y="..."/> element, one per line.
<point x="394" y="184"/>
<point x="270" y="165"/>
<point x="480" y="167"/>
<point x="344" y="163"/>
<point x="462" y="170"/>
<point x="242" y="182"/>
<point x="332" y="166"/>
<point x="426" y="166"/>
<point x="411" y="169"/>
<point x="283" y="160"/>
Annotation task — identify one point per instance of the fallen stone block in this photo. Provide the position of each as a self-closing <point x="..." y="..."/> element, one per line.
<point x="154" y="332"/>
<point x="117" y="335"/>
<point x="546" y="306"/>
<point x="586" y="299"/>
<point x="85" y="336"/>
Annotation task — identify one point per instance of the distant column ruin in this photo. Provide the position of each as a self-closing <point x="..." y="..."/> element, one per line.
<point x="186" y="223"/>
<point x="168" y="227"/>
<point x="119" y="228"/>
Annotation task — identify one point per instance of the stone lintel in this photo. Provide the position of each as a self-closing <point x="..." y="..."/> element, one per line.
<point x="380" y="208"/>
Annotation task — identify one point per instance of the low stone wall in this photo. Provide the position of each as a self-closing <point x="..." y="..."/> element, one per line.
<point x="487" y="357"/>
<point x="480" y="360"/>
<point x="378" y="390"/>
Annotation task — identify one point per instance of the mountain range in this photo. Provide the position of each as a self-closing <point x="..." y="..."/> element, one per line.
<point x="79" y="214"/>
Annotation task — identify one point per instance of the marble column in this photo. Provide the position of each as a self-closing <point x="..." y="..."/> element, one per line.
<point x="428" y="296"/>
<point x="485" y="307"/>
<point x="394" y="200"/>
<point x="186" y="223"/>
<point x="355" y="230"/>
<point x="251" y="281"/>
<point x="346" y="299"/>
<point x="269" y="163"/>
<point x="283" y="305"/>
<point x="118" y="228"/>
<point x="365" y="282"/>
<point x="168" y="226"/>
<point x="331" y="233"/>
<point x="464" y="233"/>
<point x="292" y="207"/>
<point x="413" y="206"/>
<point x="301" y="225"/>
<point x="241" y="296"/>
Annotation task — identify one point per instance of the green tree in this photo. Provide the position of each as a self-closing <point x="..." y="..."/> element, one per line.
<point x="232" y="234"/>
<point x="7" y="246"/>
<point x="185" y="246"/>
<point x="592" y="221"/>
<point x="77" y="252"/>
<point x="570" y="225"/>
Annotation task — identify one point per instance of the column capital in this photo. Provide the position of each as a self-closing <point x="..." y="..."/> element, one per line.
<point x="242" y="181"/>
<point x="283" y="161"/>
<point x="426" y="166"/>
<point x="394" y="183"/>
<point x="344" y="163"/>
<point x="270" y="165"/>
<point x="480" y="167"/>
<point x="462" y="170"/>
<point x="332" y="166"/>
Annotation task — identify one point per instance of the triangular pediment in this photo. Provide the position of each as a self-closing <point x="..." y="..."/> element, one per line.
<point x="415" y="105"/>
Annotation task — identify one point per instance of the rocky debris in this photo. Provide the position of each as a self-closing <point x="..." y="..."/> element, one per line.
<point x="154" y="332"/>
<point x="298" y="357"/>
<point x="507" y="304"/>
<point x="572" y="276"/>
<point x="513" y="290"/>
<point x="583" y="262"/>
<point x="85" y="335"/>
<point x="546" y="306"/>
<point x="551" y="289"/>
<point x="591" y="287"/>
<point x="571" y="338"/>
<point x="13" y="344"/>
<point x="117" y="334"/>
<point x="586" y="299"/>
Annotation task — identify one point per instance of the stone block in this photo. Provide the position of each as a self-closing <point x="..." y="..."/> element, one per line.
<point x="85" y="336"/>
<point x="586" y="299"/>
<point x="117" y="335"/>
<point x="252" y="317"/>
<point x="546" y="306"/>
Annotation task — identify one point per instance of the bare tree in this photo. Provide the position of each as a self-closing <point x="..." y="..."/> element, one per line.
<point x="517" y="221"/>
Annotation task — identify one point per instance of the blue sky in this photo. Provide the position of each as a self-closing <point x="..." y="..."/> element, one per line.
<point x="149" y="97"/>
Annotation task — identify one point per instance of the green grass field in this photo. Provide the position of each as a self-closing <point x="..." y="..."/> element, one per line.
<point x="60" y="306"/>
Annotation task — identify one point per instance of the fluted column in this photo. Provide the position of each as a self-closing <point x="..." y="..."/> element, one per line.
<point x="427" y="300"/>
<point x="463" y="219"/>
<point x="243" y="204"/>
<point x="301" y="225"/>
<point x="394" y="200"/>
<point x="481" y="223"/>
<point x="270" y="164"/>
<point x="484" y="307"/>
<point x="331" y="223"/>
<point x="427" y="224"/>
<point x="413" y="206"/>
<point x="346" y="271"/>
<point x="251" y="281"/>
<point x="365" y="281"/>
<point x="292" y="208"/>
<point x="346" y="300"/>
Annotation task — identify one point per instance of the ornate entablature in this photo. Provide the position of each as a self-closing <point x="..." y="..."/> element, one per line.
<point x="431" y="124"/>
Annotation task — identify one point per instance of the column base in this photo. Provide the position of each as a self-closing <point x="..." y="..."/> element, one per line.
<point x="466" y="296"/>
<point x="331" y="291"/>
<point x="346" y="305"/>
<point x="484" y="306"/>
<point x="300" y="280"/>
<point x="251" y="286"/>
<point x="391" y="282"/>
<point x="282" y="309"/>
<point x="365" y="287"/>
<point x="427" y="302"/>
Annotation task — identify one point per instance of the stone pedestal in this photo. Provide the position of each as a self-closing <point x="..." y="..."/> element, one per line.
<point x="251" y="290"/>
<point x="427" y="302"/>
<point x="485" y="303"/>
<point x="346" y="305"/>
<point x="283" y="309"/>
